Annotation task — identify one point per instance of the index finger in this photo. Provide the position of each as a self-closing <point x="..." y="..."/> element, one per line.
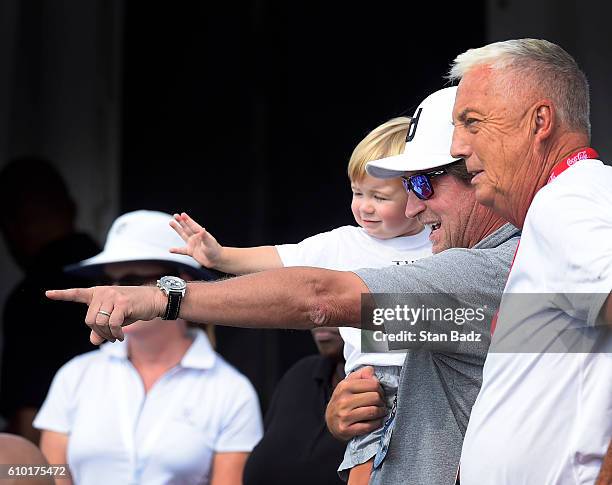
<point x="366" y="372"/>
<point x="95" y="339"/>
<point x="358" y="386"/>
<point x="79" y="295"/>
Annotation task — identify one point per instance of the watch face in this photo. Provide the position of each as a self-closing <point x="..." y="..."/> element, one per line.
<point x="172" y="283"/>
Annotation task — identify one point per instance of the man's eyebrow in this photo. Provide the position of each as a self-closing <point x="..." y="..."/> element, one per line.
<point x="463" y="115"/>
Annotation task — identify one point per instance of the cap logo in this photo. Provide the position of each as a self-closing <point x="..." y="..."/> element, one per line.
<point x="413" y="125"/>
<point x="120" y="228"/>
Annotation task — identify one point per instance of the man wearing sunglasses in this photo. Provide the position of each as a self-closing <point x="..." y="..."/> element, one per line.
<point x="472" y="252"/>
<point x="474" y="249"/>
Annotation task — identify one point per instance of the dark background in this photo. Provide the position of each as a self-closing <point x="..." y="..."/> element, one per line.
<point x="244" y="113"/>
<point x="246" y="116"/>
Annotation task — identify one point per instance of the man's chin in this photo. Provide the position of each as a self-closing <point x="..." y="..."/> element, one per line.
<point x="439" y="247"/>
<point x="438" y="241"/>
<point x="484" y="196"/>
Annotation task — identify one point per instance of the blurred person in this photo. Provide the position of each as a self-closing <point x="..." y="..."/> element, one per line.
<point x="38" y="225"/>
<point x="16" y="450"/>
<point x="178" y="413"/>
<point x="296" y="447"/>
<point x="384" y="236"/>
<point x="544" y="413"/>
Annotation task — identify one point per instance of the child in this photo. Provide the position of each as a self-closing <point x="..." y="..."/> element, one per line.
<point x="385" y="236"/>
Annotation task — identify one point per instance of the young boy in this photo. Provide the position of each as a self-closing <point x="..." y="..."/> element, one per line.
<point x="385" y="236"/>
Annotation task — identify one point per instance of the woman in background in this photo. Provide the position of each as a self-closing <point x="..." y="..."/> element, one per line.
<point x="174" y="411"/>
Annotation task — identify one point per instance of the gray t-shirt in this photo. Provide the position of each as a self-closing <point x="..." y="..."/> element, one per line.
<point x="437" y="390"/>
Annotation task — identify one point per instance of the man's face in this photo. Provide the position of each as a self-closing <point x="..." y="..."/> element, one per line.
<point x="451" y="213"/>
<point x="493" y="134"/>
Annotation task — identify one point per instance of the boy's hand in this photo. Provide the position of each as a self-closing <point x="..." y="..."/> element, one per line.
<point x="201" y="245"/>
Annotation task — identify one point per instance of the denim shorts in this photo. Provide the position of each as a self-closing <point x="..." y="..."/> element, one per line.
<point x="362" y="448"/>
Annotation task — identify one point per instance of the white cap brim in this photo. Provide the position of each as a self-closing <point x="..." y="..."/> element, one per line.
<point x="398" y="165"/>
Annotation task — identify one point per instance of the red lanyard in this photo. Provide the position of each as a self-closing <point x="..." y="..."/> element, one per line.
<point x="559" y="168"/>
<point x="563" y="165"/>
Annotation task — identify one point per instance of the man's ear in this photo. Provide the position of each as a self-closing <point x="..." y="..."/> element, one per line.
<point x="545" y="118"/>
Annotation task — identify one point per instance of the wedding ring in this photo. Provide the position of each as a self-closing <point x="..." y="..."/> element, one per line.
<point x="104" y="313"/>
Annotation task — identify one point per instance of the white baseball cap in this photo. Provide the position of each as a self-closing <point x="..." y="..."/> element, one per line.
<point x="429" y="138"/>
<point x="141" y="236"/>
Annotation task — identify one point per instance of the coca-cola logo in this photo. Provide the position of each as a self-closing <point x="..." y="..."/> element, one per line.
<point x="576" y="158"/>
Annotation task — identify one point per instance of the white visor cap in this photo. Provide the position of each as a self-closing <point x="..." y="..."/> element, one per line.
<point x="429" y="139"/>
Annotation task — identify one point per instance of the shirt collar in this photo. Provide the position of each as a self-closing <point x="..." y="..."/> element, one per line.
<point x="504" y="233"/>
<point x="199" y="355"/>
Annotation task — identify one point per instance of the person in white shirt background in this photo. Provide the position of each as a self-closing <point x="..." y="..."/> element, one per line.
<point x="178" y="413"/>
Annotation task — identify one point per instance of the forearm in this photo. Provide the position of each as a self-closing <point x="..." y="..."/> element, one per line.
<point x="241" y="261"/>
<point x="228" y="468"/>
<point x="605" y="475"/>
<point x="287" y="298"/>
<point x="54" y="447"/>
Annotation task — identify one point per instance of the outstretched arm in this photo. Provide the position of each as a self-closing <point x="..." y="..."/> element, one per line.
<point x="204" y="248"/>
<point x="296" y="297"/>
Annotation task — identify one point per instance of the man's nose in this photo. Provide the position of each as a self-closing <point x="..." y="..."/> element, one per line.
<point x="459" y="146"/>
<point x="414" y="205"/>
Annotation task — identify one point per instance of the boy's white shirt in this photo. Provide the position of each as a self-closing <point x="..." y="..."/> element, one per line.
<point x="349" y="248"/>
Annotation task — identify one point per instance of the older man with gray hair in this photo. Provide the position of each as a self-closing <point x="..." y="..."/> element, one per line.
<point x="544" y="412"/>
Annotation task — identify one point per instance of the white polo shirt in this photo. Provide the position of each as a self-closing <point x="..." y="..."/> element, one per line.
<point x="119" y="435"/>
<point x="545" y="417"/>
<point x="348" y="248"/>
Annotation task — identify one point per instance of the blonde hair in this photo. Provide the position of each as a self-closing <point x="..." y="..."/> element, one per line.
<point x="540" y="66"/>
<point x="383" y="141"/>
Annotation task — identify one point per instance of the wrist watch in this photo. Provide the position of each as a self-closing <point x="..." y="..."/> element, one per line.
<point x="174" y="288"/>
